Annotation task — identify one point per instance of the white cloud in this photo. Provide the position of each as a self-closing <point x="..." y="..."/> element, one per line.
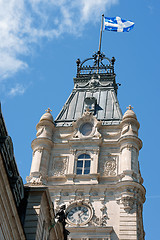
<point x="23" y="23"/>
<point x="17" y="90"/>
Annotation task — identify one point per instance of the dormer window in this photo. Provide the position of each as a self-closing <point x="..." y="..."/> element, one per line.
<point x="83" y="164"/>
<point x="90" y="103"/>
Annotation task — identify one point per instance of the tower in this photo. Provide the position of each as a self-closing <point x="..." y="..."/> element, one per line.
<point x="88" y="157"/>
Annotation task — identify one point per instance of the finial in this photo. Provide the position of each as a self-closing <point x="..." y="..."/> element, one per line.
<point x="78" y="62"/>
<point x="129" y="108"/>
<point x="48" y="110"/>
<point x="113" y="61"/>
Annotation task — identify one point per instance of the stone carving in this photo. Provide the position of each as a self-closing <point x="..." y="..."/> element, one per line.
<point x="128" y="200"/>
<point x="99" y="221"/>
<point x="102" y="220"/>
<point x="36" y="180"/>
<point x="79" y="196"/>
<point x="73" y="151"/>
<point x="93" y="83"/>
<point x="108" y="166"/>
<point x="90" y="119"/>
<point x="59" y="166"/>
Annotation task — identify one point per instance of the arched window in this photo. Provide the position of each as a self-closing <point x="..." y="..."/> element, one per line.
<point x="83" y="164"/>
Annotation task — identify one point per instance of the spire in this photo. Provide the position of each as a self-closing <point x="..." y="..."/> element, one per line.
<point x="94" y="88"/>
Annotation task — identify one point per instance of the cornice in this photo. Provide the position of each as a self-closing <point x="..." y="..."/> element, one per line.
<point x="127" y="138"/>
<point x="42" y="141"/>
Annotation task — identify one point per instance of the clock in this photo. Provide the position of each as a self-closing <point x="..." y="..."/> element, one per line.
<point x="79" y="214"/>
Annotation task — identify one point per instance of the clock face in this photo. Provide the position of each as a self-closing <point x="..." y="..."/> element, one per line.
<point x="79" y="214"/>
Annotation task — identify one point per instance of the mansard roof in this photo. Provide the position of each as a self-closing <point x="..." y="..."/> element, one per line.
<point x="94" y="85"/>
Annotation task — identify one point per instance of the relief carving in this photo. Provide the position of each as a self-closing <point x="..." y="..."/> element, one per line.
<point x="108" y="166"/>
<point x="36" y="181"/>
<point x="59" y="166"/>
<point x="99" y="221"/>
<point x="128" y="201"/>
<point x="88" y="121"/>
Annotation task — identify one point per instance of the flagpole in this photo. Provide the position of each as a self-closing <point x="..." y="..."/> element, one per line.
<point x="100" y="40"/>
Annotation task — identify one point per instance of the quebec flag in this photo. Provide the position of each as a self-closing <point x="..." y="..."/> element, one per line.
<point x="117" y="24"/>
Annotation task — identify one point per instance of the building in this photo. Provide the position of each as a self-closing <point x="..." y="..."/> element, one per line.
<point x="11" y="189"/>
<point x="88" y="158"/>
<point x="26" y="212"/>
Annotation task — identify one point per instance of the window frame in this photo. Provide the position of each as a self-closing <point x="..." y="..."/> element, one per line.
<point x="82" y="168"/>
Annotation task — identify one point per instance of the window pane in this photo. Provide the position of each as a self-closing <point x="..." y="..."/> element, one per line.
<point x="87" y="156"/>
<point x="79" y="171"/>
<point x="82" y="156"/>
<point x="87" y="163"/>
<point x="86" y="171"/>
<point x="80" y="163"/>
<point x="86" y="129"/>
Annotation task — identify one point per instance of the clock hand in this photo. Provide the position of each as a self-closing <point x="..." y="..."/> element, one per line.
<point x="83" y="213"/>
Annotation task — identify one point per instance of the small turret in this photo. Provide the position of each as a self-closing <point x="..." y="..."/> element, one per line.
<point x="41" y="147"/>
<point x="45" y="126"/>
<point x="130" y="145"/>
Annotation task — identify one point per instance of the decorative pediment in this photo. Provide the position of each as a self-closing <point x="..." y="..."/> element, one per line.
<point x="87" y="126"/>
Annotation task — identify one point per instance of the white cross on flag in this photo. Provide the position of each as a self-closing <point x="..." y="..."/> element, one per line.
<point x="117" y="24"/>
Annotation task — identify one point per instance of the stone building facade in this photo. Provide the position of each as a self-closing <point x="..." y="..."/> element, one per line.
<point x="11" y="189"/>
<point x="88" y="158"/>
<point x="26" y="212"/>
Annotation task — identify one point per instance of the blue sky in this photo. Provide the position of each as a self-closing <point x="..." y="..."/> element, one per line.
<point x="40" y="41"/>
